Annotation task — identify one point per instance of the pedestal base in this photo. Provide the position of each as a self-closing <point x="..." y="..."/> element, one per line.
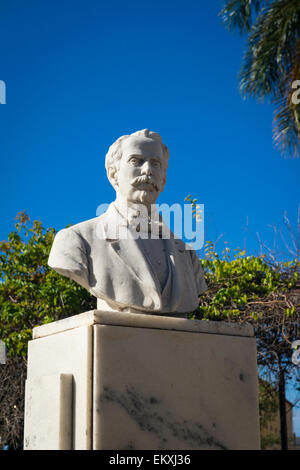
<point x="135" y="381"/>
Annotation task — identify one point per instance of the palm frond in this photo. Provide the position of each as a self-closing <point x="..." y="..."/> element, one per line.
<point x="238" y="14"/>
<point x="271" y="63"/>
<point x="286" y="125"/>
<point x="271" y="49"/>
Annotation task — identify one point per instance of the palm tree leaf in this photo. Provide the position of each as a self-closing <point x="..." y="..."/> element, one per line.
<point x="271" y="62"/>
<point x="237" y="14"/>
<point x="271" y="48"/>
<point x="286" y="124"/>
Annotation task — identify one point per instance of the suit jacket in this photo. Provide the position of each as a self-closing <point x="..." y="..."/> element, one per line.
<point x="118" y="271"/>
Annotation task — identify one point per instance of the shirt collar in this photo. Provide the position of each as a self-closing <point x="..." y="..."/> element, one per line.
<point x="136" y="217"/>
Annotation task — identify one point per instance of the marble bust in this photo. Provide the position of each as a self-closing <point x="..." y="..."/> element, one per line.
<point x="135" y="272"/>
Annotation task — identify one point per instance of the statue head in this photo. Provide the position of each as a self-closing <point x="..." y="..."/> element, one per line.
<point x="136" y="166"/>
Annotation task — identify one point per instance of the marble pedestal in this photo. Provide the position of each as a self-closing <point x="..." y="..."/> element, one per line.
<point x="103" y="380"/>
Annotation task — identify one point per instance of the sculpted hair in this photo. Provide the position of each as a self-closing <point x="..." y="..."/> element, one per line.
<point x="114" y="154"/>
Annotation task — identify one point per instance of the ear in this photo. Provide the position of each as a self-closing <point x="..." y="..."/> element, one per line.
<point x="113" y="176"/>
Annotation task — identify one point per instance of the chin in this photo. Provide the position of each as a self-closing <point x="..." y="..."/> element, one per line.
<point x="145" y="197"/>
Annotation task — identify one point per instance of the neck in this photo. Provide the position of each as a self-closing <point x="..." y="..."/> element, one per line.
<point x="131" y="211"/>
<point x="123" y="205"/>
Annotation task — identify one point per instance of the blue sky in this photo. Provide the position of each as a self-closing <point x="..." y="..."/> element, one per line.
<point x="79" y="74"/>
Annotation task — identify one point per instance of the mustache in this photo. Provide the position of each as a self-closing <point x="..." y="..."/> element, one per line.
<point x="139" y="180"/>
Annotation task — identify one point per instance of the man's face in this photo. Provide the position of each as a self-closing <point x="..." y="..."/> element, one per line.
<point x="141" y="174"/>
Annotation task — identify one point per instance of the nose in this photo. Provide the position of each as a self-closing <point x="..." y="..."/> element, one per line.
<point x="146" y="169"/>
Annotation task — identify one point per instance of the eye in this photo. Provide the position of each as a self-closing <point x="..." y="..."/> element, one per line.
<point x="134" y="161"/>
<point x="156" y="163"/>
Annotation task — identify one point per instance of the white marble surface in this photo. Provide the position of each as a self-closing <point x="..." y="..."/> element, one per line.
<point x="159" y="389"/>
<point x="94" y="317"/>
<point x="110" y="256"/>
<point x="68" y="352"/>
<point x="150" y="382"/>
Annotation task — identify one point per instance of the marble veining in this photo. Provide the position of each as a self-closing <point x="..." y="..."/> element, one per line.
<point x="152" y="415"/>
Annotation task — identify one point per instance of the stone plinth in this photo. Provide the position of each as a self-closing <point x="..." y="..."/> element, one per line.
<point x="106" y="380"/>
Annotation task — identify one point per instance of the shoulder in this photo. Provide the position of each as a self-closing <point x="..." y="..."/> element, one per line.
<point x="86" y="226"/>
<point x="83" y="231"/>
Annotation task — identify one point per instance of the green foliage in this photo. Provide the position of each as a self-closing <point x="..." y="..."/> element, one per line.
<point x="268" y="409"/>
<point x="269" y="441"/>
<point x="239" y="283"/>
<point x="31" y="293"/>
<point x="268" y="403"/>
<point x="240" y="288"/>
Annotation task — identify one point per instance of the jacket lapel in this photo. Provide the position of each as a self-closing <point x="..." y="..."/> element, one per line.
<point x="173" y="291"/>
<point x="130" y="253"/>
